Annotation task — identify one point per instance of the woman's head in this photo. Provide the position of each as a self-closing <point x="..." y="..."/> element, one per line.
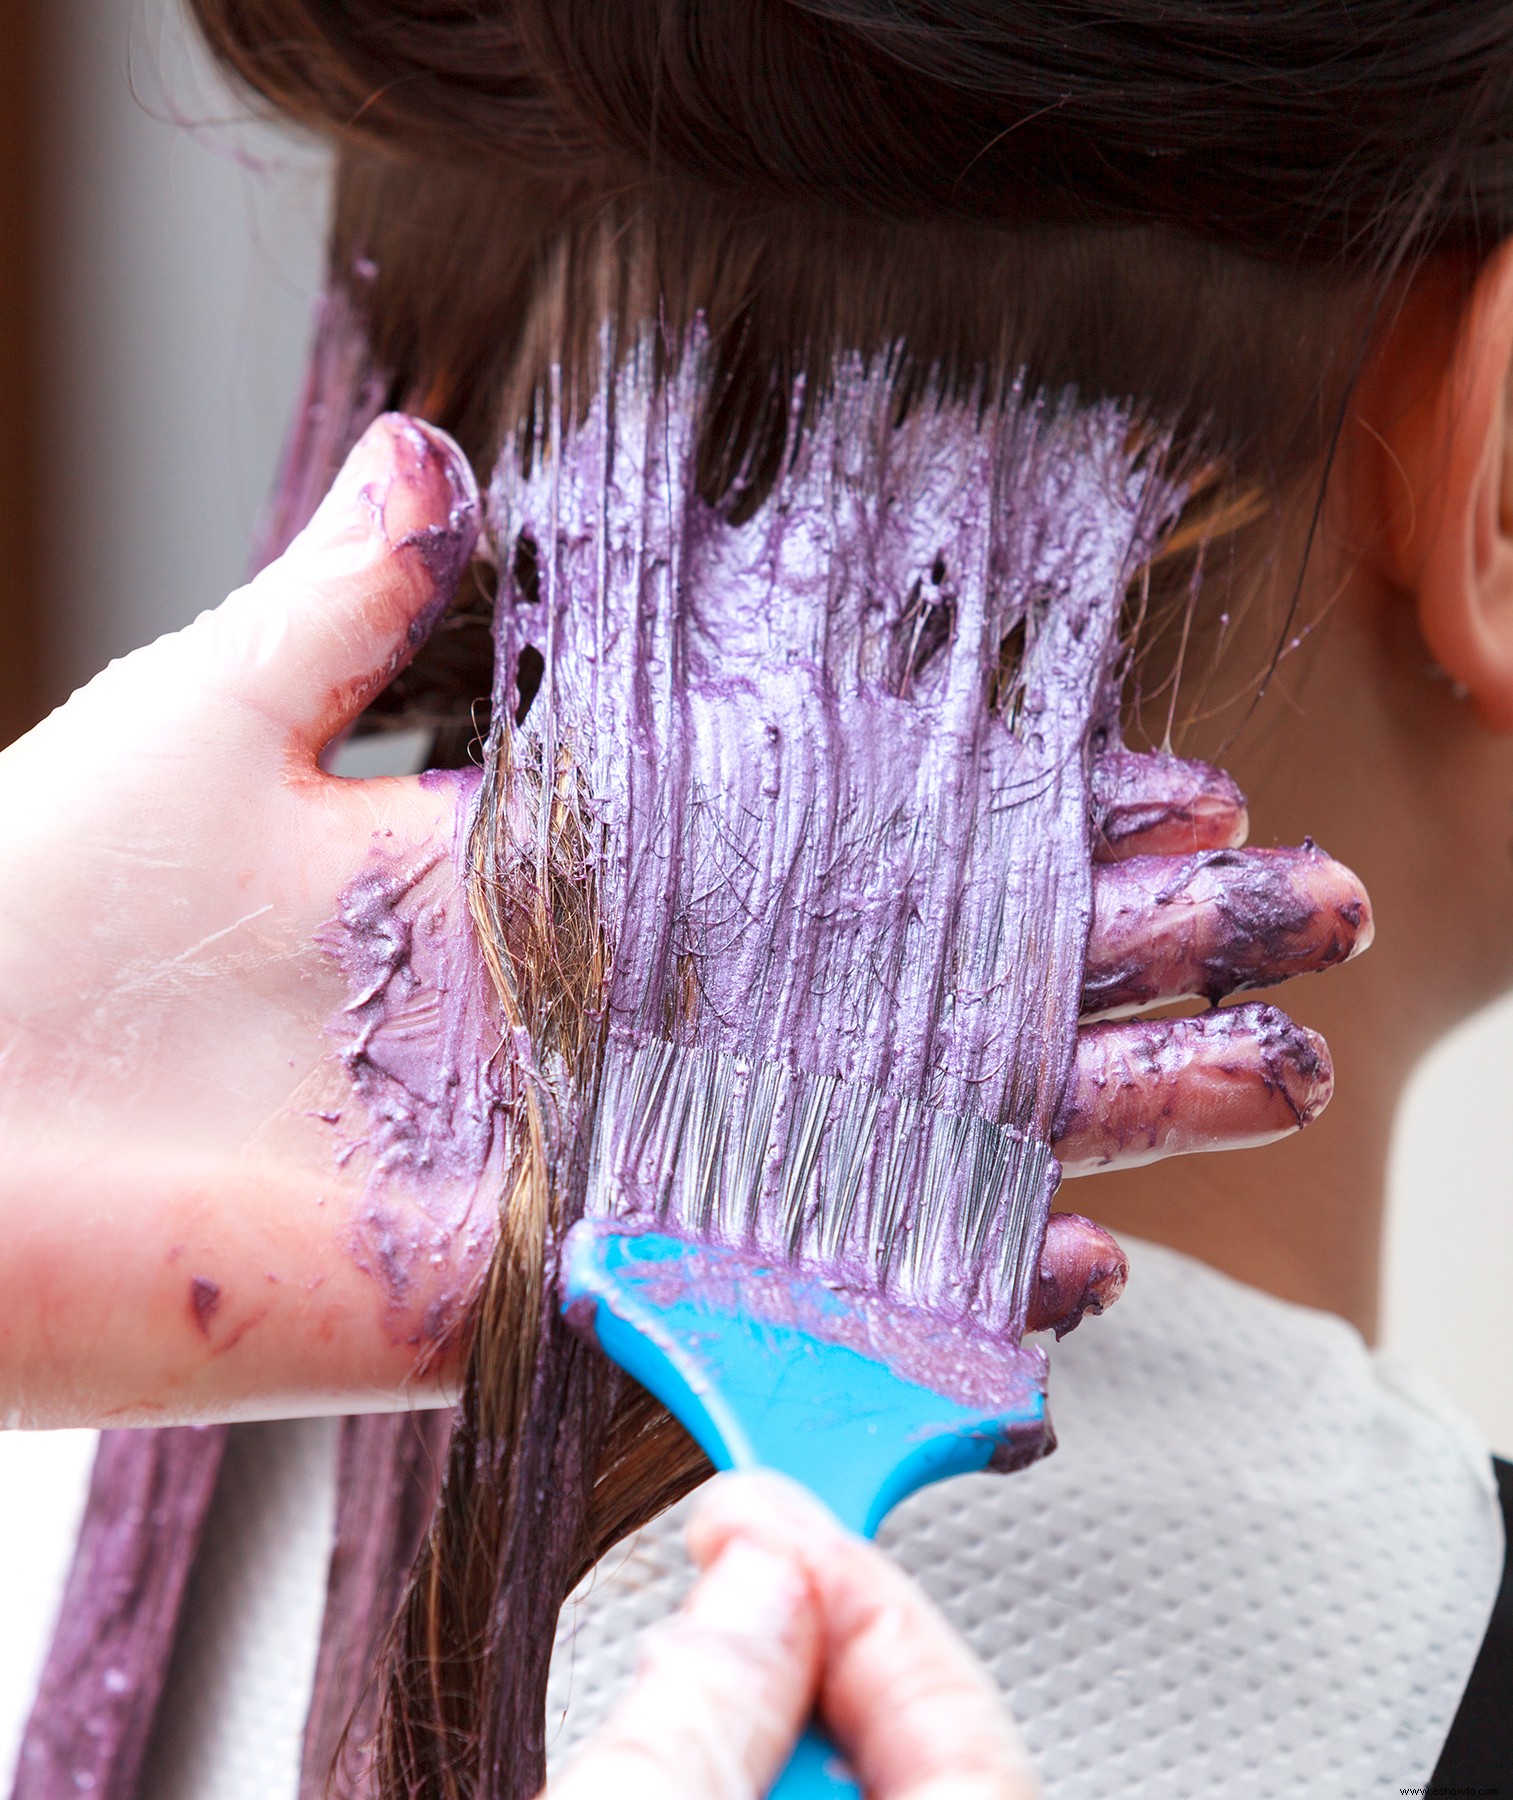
<point x="1271" y="231"/>
<point x="1203" y="210"/>
<point x="1224" y="215"/>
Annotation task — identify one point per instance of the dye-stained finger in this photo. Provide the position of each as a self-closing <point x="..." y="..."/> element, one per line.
<point x="1082" y="1270"/>
<point x="916" y="1714"/>
<point x="1161" y="805"/>
<point x="328" y="624"/>
<point x="722" y="1691"/>
<point x="1170" y="928"/>
<point x="1148" y="1088"/>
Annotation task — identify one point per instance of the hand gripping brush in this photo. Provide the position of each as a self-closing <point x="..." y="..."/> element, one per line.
<point x="814" y="761"/>
<point x="772" y="1364"/>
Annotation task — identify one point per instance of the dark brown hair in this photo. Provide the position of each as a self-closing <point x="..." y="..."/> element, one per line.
<point x="1191" y="206"/>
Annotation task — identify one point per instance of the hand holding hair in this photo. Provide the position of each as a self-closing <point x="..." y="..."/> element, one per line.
<point x="791" y="1609"/>
<point x="192" y="1227"/>
<point x="178" y="1230"/>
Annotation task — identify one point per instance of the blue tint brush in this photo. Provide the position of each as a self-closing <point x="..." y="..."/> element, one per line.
<point x="768" y="1369"/>
<point x="808" y="1368"/>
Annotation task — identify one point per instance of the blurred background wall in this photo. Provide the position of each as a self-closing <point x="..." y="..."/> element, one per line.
<point x="20" y="299"/>
<point x="181" y="248"/>
<point x="153" y="312"/>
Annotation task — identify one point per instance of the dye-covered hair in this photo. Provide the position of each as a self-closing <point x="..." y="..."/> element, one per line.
<point x="1196" y="207"/>
<point x="1192" y="210"/>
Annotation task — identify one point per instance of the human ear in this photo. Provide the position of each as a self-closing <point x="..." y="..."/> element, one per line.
<point x="1436" y="409"/>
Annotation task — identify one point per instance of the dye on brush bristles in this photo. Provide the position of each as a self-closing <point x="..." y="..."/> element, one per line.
<point x="805" y="786"/>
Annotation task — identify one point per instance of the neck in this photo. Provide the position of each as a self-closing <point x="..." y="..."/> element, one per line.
<point x="1362" y="745"/>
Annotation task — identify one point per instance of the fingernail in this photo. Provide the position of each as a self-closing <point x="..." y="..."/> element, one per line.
<point x="1320" y="879"/>
<point x="361" y="482"/>
<point x="748" y="1590"/>
<point x="411" y="483"/>
<point x="1082" y="1270"/>
<point x="1357" y="915"/>
<point x="1316" y="1071"/>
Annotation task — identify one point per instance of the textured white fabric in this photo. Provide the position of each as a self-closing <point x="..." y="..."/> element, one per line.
<point x="1260" y="1565"/>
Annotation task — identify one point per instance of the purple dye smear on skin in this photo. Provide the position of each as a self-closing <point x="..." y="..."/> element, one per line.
<point x="204" y="1302"/>
<point x="1163" y="801"/>
<point x="1215" y="923"/>
<point x="418" y="1036"/>
<point x="1151" y="1088"/>
<point x="838" y="835"/>
<point x="421" y="1044"/>
<point x="444" y="549"/>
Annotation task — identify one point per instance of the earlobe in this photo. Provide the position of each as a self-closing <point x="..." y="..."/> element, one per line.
<point x="1435" y="403"/>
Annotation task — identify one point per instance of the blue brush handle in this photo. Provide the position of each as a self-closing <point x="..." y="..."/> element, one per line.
<point x="816" y="1771"/>
<point x="763" y="1394"/>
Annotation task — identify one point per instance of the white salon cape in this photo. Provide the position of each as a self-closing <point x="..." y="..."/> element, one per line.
<point x="1260" y="1565"/>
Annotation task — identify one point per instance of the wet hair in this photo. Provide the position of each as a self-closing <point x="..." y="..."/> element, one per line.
<point x="1193" y="208"/>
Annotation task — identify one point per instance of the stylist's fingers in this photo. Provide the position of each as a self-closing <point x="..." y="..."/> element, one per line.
<point x="914" y="1711"/>
<point x="1225" y="1080"/>
<point x="722" y="1692"/>
<point x="1156" y="804"/>
<point x="321" y="630"/>
<point x="1174" y="928"/>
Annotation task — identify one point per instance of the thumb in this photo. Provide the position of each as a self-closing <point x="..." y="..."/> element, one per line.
<point x="325" y="627"/>
<point x="721" y="1694"/>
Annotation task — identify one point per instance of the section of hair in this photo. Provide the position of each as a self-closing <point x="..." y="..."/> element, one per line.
<point x="1299" y="128"/>
<point x="1192" y="207"/>
<point x="149" y="1496"/>
<point x="388" y="1476"/>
